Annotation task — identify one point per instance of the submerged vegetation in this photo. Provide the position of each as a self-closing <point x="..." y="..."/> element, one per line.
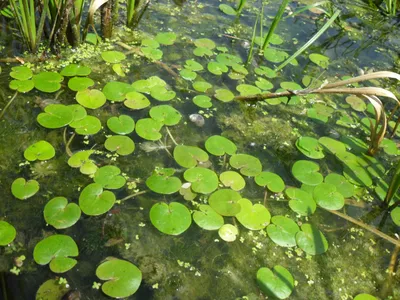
<point x="165" y="160"/>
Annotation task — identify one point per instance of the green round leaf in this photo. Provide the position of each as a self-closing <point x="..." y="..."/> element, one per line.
<point x="207" y="218"/>
<point x="56" y="250"/>
<point x="219" y="145"/>
<point x="193" y="65"/>
<point x="135" y="100"/>
<point x="331" y="145"/>
<point x="41" y="150"/>
<point x="320" y="60"/>
<point x="51" y="290"/>
<point x="203" y="180"/>
<point x="275" y="283"/>
<point x="342" y="185"/>
<point x="21" y="86"/>
<point x="172" y="219"/>
<point x="228" y="232"/>
<point x="327" y="197"/>
<point x="202" y="101"/>
<point x="274" y="55"/>
<point x="265" y="71"/>
<point x="228" y="10"/>
<point x="121" y="125"/>
<point x="248" y="90"/>
<point x="109" y="177"/>
<point x="310" y="147"/>
<point x="233" y="180"/>
<point x="92" y="99"/>
<point x="75" y="70"/>
<point x="225" y="202"/>
<point x="224" y="95"/>
<point x="357" y="174"/>
<point x="116" y="91"/>
<point x="164" y="184"/>
<point x="78" y="111"/>
<point x="48" y="82"/>
<point x="80" y="83"/>
<point x="7" y="233"/>
<point x="81" y="160"/>
<point x="217" y="68"/>
<point x="205" y="43"/>
<point x="311" y="240"/>
<point x="228" y="59"/>
<point x="356" y="103"/>
<point x="283" y="231"/>
<point x="301" y="202"/>
<point x="22" y="189"/>
<point x="123" y="277"/>
<point x="160" y="93"/>
<point x="307" y="172"/>
<point x="113" y="57"/>
<point x="201" y="86"/>
<point x="253" y="217"/>
<point x="55" y="116"/>
<point x="365" y="297"/>
<point x="271" y="180"/>
<point x="165" y="114"/>
<point x="166" y="38"/>
<point x="247" y="164"/>
<point x="59" y="214"/>
<point x="87" y="126"/>
<point x="264" y="84"/>
<point x="150" y="43"/>
<point x="187" y="74"/>
<point x="21" y="73"/>
<point x="93" y="201"/>
<point x="149" y="129"/>
<point x="395" y="214"/>
<point x="151" y="53"/>
<point x="189" y="156"/>
<point x="123" y="145"/>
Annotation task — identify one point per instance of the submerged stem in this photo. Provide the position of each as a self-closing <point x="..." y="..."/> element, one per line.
<point x="8" y="105"/>
<point x="67" y="150"/>
<point x="170" y="135"/>
<point x="133" y="195"/>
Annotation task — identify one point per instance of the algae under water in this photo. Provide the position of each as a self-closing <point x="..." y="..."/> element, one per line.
<point x="105" y="176"/>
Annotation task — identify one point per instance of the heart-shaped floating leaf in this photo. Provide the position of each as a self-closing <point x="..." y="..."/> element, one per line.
<point x="331" y="145"/>
<point x="166" y="38"/>
<point x="41" y="150"/>
<point x="135" y="100"/>
<point x="224" y="95"/>
<point x="201" y="86"/>
<point x="52" y="290"/>
<point x="160" y="93"/>
<point x="228" y="232"/>
<point x="78" y="111"/>
<point x="121" y="125"/>
<point x="343" y="186"/>
<point x="193" y="65"/>
<point x="229" y="59"/>
<point x="307" y="172"/>
<point x="225" y="202"/>
<point x="86" y="126"/>
<point x="7" y="233"/>
<point x="75" y="70"/>
<point x="151" y="53"/>
<point x="172" y="219"/>
<point x="219" y="145"/>
<point x="265" y="71"/>
<point x="248" y="90"/>
<point x="319" y="59"/>
<point x="253" y="217"/>
<point x="395" y="214"/>
<point x="365" y="297"/>
<point x="123" y="145"/>
<point x="116" y="91"/>
<point x="186" y="192"/>
<point x="205" y="43"/>
<point x="149" y="129"/>
<point x="80" y="83"/>
<point x="247" y="164"/>
<point x="202" y="101"/>
<point x="21" y="86"/>
<point x="109" y="177"/>
<point x="283" y="231"/>
<point x="23" y="189"/>
<point x="56" y="250"/>
<point x="271" y="180"/>
<point x="311" y="240"/>
<point x="150" y="43"/>
<point x="59" y="214"/>
<point x="233" y="180"/>
<point x="189" y="156"/>
<point x="123" y="277"/>
<point x="301" y="202"/>
<point x="164" y="183"/>
<point x="310" y="147"/>
<point x="187" y="74"/>
<point x="55" y="116"/>
<point x="48" y="82"/>
<point x="81" y="160"/>
<point x="21" y="73"/>
<point x="274" y="55"/>
<point x="357" y="175"/>
<point x="203" y="180"/>
<point x="93" y="201"/>
<point x="207" y="218"/>
<point x="275" y="283"/>
<point x="356" y="103"/>
<point x="165" y="114"/>
<point x="113" y="57"/>
<point x="92" y="99"/>
<point x="217" y="68"/>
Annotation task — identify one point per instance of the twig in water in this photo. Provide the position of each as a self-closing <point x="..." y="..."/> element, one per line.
<point x="133" y="196"/>
<point x="67" y="150"/>
<point x="170" y="135"/>
<point x="8" y="105"/>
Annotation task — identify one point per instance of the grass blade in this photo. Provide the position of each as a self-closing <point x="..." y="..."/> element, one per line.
<point x="275" y="23"/>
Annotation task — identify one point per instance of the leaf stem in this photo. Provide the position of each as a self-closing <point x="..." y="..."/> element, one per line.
<point x="8" y="105"/>
<point x="133" y="196"/>
<point x="170" y="135"/>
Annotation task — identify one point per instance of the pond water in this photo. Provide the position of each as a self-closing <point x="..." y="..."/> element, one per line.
<point x="194" y="263"/>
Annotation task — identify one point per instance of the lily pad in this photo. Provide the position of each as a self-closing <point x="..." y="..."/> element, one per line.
<point x="82" y="161"/>
<point x="41" y="150"/>
<point x="160" y="93"/>
<point x="205" y="43"/>
<point x="219" y="145"/>
<point x="166" y="38"/>
<point x="395" y="214"/>
<point x="307" y="172"/>
<point x="207" y="218"/>
<point x="80" y="83"/>
<point x="109" y="177"/>
<point x="123" y="145"/>
<point x="311" y="240"/>
<point x="228" y="59"/>
<point x="22" y="189"/>
<point x="188" y="74"/>
<point x="253" y="217"/>
<point x="59" y="214"/>
<point x="93" y="201"/>
<point x="121" y="125"/>
<point x="8" y="233"/>
<point x="224" y="95"/>
<point x="228" y="232"/>
<point x="123" y="277"/>
<point x="149" y="129"/>
<point x="365" y="297"/>
<point x="265" y="71"/>
<point x="150" y="43"/>
<point x="113" y="57"/>
<point x="164" y="183"/>
<point x="92" y="99"/>
<point x="201" y="86"/>
<point x="356" y="103"/>
<point x="87" y="126"/>
<point x="283" y="231"/>
<point x="271" y="180"/>
<point x="21" y="73"/>
<point x="116" y="91"/>
<point x="57" y="250"/>
<point x="331" y="145"/>
<point x="75" y="70"/>
<point x="233" y="180"/>
<point x="343" y="186"/>
<point x="202" y="101"/>
<point x="135" y="100"/>
<point x="217" y="68"/>
<point x="165" y="114"/>
<point x="51" y="290"/>
<point x="78" y="111"/>
<point x="203" y="180"/>
<point x="301" y="201"/>
<point x="264" y="84"/>
<point x="327" y="197"/>
<point x="48" y="82"/>
<point x="310" y="147"/>
<point x="228" y="10"/>
<point x="21" y="86"/>
<point x="320" y="60"/>
<point x="55" y="116"/>
<point x="193" y="65"/>
<point x="275" y="283"/>
<point x="189" y="156"/>
<point x="172" y="219"/>
<point x="151" y="53"/>
<point x="248" y="165"/>
<point x="248" y="90"/>
<point x="274" y="55"/>
<point x="357" y="174"/>
<point x="225" y="202"/>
